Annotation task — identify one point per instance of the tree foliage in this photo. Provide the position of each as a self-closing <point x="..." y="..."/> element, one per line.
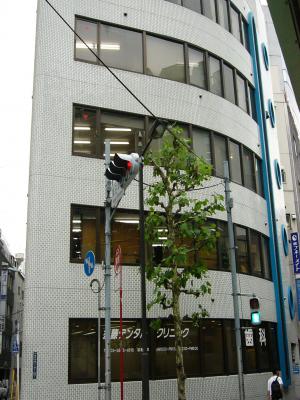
<point x="178" y="224"/>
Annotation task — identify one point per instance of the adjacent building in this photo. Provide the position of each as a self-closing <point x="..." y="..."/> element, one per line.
<point x="206" y="65"/>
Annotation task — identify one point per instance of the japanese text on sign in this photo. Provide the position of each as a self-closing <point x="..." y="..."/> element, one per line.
<point x="295" y="252"/>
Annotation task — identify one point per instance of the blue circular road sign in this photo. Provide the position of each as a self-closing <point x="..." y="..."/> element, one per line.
<point x="89" y="263"/>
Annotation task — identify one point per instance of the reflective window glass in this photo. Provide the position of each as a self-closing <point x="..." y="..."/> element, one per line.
<point x="213" y="351"/>
<point x="259" y="178"/>
<point x="223" y="13"/>
<point x="223" y="243"/>
<point x="84" y="130"/>
<point x="83" y="231"/>
<point x="209" y="9"/>
<point x="201" y="143"/>
<point x="220" y="154"/>
<point x="249" y="354"/>
<point x="165" y="59"/>
<point x="126" y="234"/>
<point x="192" y="5"/>
<point x="245" y="33"/>
<point x="235" y="23"/>
<point x="83" y="348"/>
<point x="228" y="83"/>
<point x="265" y="257"/>
<point x="273" y="345"/>
<point x="230" y="346"/>
<point x="209" y="258"/>
<point x="163" y="350"/>
<point x="121" y="48"/>
<point x="88" y="32"/>
<point x="249" y="176"/>
<point x="241" y="92"/>
<point x="235" y="162"/>
<point x="252" y="102"/>
<point x="215" y="76"/>
<point x="263" y="348"/>
<point x="197" y="68"/>
<point x="255" y="253"/>
<point x="242" y="249"/>
<point x="122" y="130"/>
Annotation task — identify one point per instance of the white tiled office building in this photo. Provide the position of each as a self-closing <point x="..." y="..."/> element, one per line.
<point x="203" y="63"/>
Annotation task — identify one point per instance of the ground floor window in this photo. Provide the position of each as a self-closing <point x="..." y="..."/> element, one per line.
<point x="208" y="349"/>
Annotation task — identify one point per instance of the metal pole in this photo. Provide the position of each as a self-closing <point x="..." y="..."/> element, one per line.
<point x="99" y="337"/>
<point x="107" y="277"/>
<point x="18" y="359"/>
<point x="232" y="260"/>
<point x="145" y="354"/>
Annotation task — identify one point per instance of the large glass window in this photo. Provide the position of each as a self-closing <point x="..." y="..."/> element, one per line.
<point x="83" y="348"/>
<point x="255" y="253"/>
<point x="213" y="352"/>
<point x="209" y="9"/>
<point x="223" y="244"/>
<point x="83" y="231"/>
<point x="165" y="59"/>
<point x="249" y="175"/>
<point x="223" y="14"/>
<point x="230" y="343"/>
<point x="122" y="130"/>
<point x="192" y="5"/>
<point x="252" y="102"/>
<point x="88" y="32"/>
<point x="201" y="143"/>
<point x="235" y="23"/>
<point x="241" y="92"/>
<point x="126" y="234"/>
<point x="229" y="91"/>
<point x="249" y="347"/>
<point x="265" y="257"/>
<point x="258" y="174"/>
<point x="241" y="239"/>
<point x="197" y="68"/>
<point x="235" y="162"/>
<point x="84" y="130"/>
<point x="220" y="150"/>
<point x="121" y="48"/>
<point x="245" y="33"/>
<point x="215" y="81"/>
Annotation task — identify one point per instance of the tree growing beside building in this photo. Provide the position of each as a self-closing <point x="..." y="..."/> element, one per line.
<point x="177" y="223"/>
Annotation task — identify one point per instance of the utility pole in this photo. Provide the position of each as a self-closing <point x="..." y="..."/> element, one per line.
<point x="107" y="276"/>
<point x="18" y="356"/>
<point x="145" y="353"/>
<point x="235" y="294"/>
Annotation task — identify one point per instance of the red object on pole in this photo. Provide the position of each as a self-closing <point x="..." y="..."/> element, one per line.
<point x="118" y="270"/>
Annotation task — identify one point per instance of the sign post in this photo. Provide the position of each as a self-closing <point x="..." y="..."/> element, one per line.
<point x="295" y="252"/>
<point x="118" y="271"/>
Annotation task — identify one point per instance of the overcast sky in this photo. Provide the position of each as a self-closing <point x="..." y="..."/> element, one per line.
<point x="17" y="35"/>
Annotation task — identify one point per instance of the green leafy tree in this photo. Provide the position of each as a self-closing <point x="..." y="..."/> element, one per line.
<point x="179" y="215"/>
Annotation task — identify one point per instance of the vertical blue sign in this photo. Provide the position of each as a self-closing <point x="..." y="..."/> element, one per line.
<point x="298" y="296"/>
<point x="34" y="365"/>
<point x="295" y="252"/>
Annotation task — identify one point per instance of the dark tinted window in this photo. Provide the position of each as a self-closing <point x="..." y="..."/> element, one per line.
<point x="259" y="178"/>
<point x="84" y="130"/>
<point x="228" y="83"/>
<point x="223" y="243"/>
<point x="220" y="154"/>
<point x="192" y="5"/>
<point x="215" y="76"/>
<point x="255" y="253"/>
<point x="241" y="92"/>
<point x="265" y="257"/>
<point x="242" y="249"/>
<point x="83" y="231"/>
<point x="229" y="333"/>
<point x="248" y="344"/>
<point x="121" y="48"/>
<point x="209" y="9"/>
<point x="245" y="33"/>
<point x="201" y="144"/>
<point x="235" y="162"/>
<point x="213" y="352"/>
<point x="197" y="68"/>
<point x="249" y="176"/>
<point x="223" y="13"/>
<point x="165" y="59"/>
<point x="88" y="32"/>
<point x="83" y="348"/>
<point x="252" y="102"/>
<point x="235" y="23"/>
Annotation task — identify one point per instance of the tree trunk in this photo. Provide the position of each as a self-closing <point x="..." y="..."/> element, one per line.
<point x="178" y="348"/>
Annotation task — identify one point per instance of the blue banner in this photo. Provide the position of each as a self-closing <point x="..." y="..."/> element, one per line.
<point x="298" y="296"/>
<point x="295" y="252"/>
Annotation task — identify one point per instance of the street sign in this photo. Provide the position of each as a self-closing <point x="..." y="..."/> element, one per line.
<point x="295" y="252"/>
<point x="34" y="365"/>
<point x="89" y="263"/>
<point x="15" y="345"/>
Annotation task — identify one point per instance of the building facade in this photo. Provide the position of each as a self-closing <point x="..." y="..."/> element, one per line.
<point x="205" y="65"/>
